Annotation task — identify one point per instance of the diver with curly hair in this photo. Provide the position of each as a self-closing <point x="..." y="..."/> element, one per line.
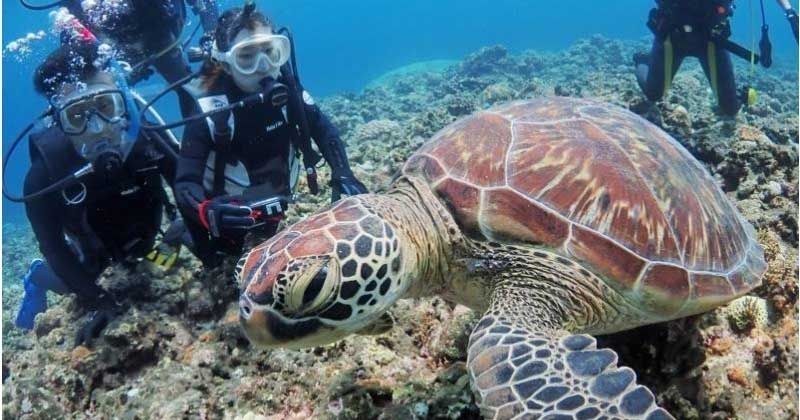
<point x="109" y="201"/>
<point x="145" y="33"/>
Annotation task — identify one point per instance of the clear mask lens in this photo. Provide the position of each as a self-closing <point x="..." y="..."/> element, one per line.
<point x="260" y="53"/>
<point x="75" y="114"/>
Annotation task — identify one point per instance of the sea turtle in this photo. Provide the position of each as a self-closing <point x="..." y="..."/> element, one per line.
<point x="555" y="218"/>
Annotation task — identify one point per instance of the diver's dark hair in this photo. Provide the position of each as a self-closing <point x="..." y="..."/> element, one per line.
<point x="70" y="63"/>
<point x="234" y="20"/>
<point x="229" y="24"/>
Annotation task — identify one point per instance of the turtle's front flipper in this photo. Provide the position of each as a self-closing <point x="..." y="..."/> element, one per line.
<point x="520" y="372"/>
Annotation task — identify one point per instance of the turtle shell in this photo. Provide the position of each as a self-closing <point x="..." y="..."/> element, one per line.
<point x="599" y="185"/>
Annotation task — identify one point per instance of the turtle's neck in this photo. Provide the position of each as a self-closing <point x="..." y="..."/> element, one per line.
<point x="427" y="233"/>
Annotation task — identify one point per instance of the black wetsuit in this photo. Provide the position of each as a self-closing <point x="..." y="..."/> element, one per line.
<point x="261" y="141"/>
<point x="690" y="28"/>
<point x="118" y="219"/>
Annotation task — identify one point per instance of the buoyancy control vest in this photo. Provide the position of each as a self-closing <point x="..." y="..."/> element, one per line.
<point x="140" y="181"/>
<point x="224" y="173"/>
<point x="709" y="17"/>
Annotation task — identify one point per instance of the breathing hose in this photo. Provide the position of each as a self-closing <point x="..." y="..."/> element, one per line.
<point x="46" y="6"/>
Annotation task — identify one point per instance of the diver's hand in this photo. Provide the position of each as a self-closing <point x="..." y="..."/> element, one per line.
<point x="99" y="317"/>
<point x="223" y="214"/>
<point x="347" y="185"/>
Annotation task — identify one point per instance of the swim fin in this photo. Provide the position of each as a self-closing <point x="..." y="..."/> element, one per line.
<point x="164" y="255"/>
<point x="35" y="300"/>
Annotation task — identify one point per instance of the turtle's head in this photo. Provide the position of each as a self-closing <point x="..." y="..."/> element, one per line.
<point x="320" y="279"/>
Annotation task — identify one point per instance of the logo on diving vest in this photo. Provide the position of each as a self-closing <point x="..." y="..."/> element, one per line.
<point x="273" y="126"/>
<point x="210" y="103"/>
<point x="218" y="103"/>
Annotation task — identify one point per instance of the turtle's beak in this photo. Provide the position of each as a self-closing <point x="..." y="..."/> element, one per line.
<point x="266" y="328"/>
<point x="255" y="322"/>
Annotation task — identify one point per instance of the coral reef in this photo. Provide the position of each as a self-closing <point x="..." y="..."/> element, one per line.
<point x="747" y="312"/>
<point x="178" y="352"/>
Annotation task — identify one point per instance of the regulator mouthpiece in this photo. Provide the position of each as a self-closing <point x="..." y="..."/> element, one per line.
<point x="276" y="93"/>
<point x="195" y="54"/>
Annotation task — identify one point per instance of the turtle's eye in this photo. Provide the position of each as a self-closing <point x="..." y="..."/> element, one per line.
<point x="315" y="286"/>
<point x="312" y="289"/>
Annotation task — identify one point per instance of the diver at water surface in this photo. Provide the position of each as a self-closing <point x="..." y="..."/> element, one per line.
<point x="112" y="210"/>
<point x="701" y="29"/>
<point x="261" y="139"/>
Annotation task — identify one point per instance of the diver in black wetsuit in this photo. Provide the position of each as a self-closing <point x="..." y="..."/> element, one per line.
<point x="262" y="139"/>
<point x="146" y="31"/>
<point x="700" y="28"/>
<point x="684" y="28"/>
<point x="114" y="212"/>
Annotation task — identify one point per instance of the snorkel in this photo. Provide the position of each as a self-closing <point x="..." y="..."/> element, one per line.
<point x="107" y="160"/>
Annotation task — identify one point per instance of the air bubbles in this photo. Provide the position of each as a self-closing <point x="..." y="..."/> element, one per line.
<point x="21" y="48"/>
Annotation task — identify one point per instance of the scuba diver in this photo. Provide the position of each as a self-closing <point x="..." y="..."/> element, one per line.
<point x="701" y="29"/>
<point x="147" y="32"/>
<point x="94" y="192"/>
<point x="258" y="138"/>
<point x="791" y="15"/>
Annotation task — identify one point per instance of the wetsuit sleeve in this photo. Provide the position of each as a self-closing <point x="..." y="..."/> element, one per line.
<point x="48" y="227"/>
<point x="327" y="138"/>
<point x="791" y="15"/>
<point x="195" y="148"/>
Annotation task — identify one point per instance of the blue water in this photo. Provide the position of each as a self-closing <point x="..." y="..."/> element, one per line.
<point x="343" y="44"/>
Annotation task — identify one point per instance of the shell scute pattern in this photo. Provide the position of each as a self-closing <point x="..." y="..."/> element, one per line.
<point x="601" y="186"/>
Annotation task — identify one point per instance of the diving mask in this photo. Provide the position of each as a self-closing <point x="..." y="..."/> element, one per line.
<point x="95" y="121"/>
<point x="74" y="116"/>
<point x="257" y="52"/>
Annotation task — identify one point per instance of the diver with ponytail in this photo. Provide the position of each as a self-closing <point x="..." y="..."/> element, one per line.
<point x="254" y="143"/>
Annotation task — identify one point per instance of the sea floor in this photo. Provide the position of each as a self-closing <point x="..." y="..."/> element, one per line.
<point x="178" y="351"/>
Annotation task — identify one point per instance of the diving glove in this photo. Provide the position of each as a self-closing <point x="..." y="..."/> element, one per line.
<point x="223" y="214"/>
<point x="102" y="311"/>
<point x="347" y="185"/>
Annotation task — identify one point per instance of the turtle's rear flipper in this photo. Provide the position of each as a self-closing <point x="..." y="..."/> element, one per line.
<point x="551" y="374"/>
